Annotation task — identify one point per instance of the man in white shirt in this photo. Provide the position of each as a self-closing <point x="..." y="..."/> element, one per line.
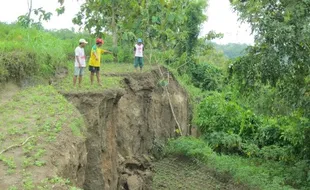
<point x="80" y="62"/>
<point x="138" y="51"/>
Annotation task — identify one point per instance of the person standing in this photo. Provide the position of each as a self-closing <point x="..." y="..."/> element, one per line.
<point x="95" y="60"/>
<point x="80" y="62"/>
<point x="138" y="51"/>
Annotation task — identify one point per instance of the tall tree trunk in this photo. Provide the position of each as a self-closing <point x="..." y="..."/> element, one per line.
<point x="29" y="2"/>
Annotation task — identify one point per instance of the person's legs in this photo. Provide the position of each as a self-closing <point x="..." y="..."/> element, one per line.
<point x="74" y="80"/>
<point x="80" y="80"/>
<point x="91" y="78"/>
<point x="141" y="63"/>
<point x="92" y="72"/>
<point x="136" y="63"/>
<point x="81" y="76"/>
<point x="76" y="74"/>
<point x="98" y="75"/>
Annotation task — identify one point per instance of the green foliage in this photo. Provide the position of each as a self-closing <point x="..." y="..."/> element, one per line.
<point x="207" y="77"/>
<point x="219" y="114"/>
<point x="28" y="52"/>
<point x="190" y="147"/>
<point x="163" y="25"/>
<point x="280" y="57"/>
<point x="224" y="142"/>
<point x="219" y="118"/>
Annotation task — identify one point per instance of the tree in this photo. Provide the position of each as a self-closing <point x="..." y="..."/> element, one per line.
<point x="162" y="23"/>
<point x="280" y="56"/>
<point x="27" y="20"/>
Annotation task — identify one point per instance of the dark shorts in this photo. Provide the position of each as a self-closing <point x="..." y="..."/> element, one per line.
<point x="94" y="69"/>
<point x="138" y="62"/>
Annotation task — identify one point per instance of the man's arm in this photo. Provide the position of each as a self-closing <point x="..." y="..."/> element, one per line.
<point x="106" y="51"/>
<point x="94" y="50"/>
<point x="134" y="51"/>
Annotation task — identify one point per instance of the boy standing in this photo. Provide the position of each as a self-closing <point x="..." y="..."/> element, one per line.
<point x="80" y="62"/>
<point x="94" y="62"/>
<point x="138" y="51"/>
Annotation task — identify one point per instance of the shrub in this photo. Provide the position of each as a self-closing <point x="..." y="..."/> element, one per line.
<point x="216" y="114"/>
<point x="224" y="142"/>
<point x="27" y="52"/>
<point x="207" y="77"/>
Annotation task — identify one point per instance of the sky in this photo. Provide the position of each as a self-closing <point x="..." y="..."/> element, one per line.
<point x="221" y="18"/>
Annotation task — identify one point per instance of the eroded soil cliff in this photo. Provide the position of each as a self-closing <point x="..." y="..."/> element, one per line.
<point x="126" y="126"/>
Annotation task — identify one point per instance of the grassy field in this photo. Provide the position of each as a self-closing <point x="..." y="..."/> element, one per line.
<point x="66" y="84"/>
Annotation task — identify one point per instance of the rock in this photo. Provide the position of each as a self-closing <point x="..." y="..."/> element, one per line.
<point x="134" y="183"/>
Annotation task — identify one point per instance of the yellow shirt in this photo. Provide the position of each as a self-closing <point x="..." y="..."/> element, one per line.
<point x="92" y="61"/>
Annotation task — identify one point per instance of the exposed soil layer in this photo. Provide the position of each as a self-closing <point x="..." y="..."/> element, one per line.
<point x="126" y="125"/>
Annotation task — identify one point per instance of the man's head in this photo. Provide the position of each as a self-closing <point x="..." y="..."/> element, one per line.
<point x="83" y="42"/>
<point x="99" y="42"/>
<point x="140" y="41"/>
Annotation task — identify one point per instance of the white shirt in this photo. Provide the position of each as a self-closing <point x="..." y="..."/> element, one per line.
<point x="79" y="52"/>
<point x="139" y="50"/>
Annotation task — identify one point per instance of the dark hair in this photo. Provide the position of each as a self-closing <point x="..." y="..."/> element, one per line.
<point x="80" y="43"/>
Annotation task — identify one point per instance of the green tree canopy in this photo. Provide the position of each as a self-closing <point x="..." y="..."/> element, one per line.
<point x="280" y="56"/>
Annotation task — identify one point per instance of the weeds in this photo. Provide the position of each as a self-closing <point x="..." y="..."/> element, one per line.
<point x="254" y="172"/>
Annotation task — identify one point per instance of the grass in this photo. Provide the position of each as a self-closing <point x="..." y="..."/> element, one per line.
<point x="39" y="112"/>
<point x="108" y="82"/>
<point x="254" y="173"/>
<point x="122" y="68"/>
<point x="190" y="176"/>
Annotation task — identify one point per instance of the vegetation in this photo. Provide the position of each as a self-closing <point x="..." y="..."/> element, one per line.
<point x="257" y="119"/>
<point x="252" y="107"/>
<point x="29" y="131"/>
<point x="256" y="173"/>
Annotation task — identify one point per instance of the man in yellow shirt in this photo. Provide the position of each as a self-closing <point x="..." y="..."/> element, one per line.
<point x="94" y="61"/>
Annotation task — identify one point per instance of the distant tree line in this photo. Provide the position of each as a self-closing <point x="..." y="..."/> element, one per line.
<point x="232" y="50"/>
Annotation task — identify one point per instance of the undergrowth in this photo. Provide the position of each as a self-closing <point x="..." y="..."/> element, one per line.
<point x="253" y="172"/>
<point x="29" y="52"/>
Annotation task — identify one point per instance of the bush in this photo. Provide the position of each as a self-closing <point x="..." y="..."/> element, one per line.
<point x="207" y="77"/>
<point x="228" y="128"/>
<point x="190" y="147"/>
<point x="17" y="65"/>
<point x="27" y="52"/>
<point x="224" y="142"/>
<point x="216" y="114"/>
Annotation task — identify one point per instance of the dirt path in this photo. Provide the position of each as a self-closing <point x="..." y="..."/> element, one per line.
<point x="8" y="92"/>
<point x="182" y="173"/>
